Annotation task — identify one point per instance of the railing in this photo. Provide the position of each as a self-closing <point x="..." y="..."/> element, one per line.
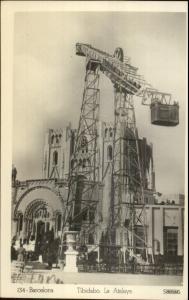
<point x="164" y="269"/>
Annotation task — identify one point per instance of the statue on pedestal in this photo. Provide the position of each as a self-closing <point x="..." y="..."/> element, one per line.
<point x="14" y="174"/>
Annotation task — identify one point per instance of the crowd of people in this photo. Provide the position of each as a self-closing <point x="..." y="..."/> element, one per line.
<point x="44" y="249"/>
<point x="22" y="249"/>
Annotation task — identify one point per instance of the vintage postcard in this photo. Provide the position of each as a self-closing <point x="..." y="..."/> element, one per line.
<point x="94" y="135"/>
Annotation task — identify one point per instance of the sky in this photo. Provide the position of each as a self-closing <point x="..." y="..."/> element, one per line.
<point x="48" y="80"/>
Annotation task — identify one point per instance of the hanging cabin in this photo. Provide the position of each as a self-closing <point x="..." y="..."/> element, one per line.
<point x="164" y="114"/>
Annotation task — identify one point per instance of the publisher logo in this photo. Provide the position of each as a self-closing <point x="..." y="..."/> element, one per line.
<point x="171" y="291"/>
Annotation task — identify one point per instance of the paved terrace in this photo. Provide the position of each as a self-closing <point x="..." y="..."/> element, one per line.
<point x="39" y="274"/>
<point x="119" y="279"/>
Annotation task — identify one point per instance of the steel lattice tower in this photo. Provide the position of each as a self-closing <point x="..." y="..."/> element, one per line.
<point x="83" y="186"/>
<point x="127" y="184"/>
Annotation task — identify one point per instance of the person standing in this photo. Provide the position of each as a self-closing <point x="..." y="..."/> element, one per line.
<point x="17" y="245"/>
<point x="13" y="252"/>
<point x="21" y="254"/>
<point x="133" y="263"/>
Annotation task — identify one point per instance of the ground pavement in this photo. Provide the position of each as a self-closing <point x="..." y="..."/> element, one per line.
<point x="117" y="278"/>
<point x="41" y="270"/>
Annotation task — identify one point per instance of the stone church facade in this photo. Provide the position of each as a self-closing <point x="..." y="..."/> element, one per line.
<point x="39" y="205"/>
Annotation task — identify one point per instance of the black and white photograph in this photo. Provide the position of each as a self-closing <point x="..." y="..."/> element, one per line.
<point x="94" y="186"/>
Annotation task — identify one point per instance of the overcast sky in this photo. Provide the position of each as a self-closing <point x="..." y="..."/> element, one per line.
<point x="49" y="80"/>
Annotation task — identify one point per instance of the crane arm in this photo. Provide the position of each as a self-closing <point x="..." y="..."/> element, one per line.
<point x="123" y="74"/>
<point x="120" y="73"/>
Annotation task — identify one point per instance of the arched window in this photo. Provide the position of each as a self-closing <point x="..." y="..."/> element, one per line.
<point x="110" y="132"/>
<point x="20" y="222"/>
<point x="91" y="239"/>
<point x="52" y="139"/>
<point x="85" y="215"/>
<point x="57" y="140"/>
<point x="72" y="163"/>
<point x="105" y="132"/>
<point x="84" y="144"/>
<point x="84" y="163"/>
<point x="109" y="152"/>
<point x="47" y="227"/>
<point x="91" y="215"/>
<point x="59" y="223"/>
<point x="55" y="158"/>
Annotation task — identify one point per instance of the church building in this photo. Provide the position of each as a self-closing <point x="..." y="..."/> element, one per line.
<point x="39" y="205"/>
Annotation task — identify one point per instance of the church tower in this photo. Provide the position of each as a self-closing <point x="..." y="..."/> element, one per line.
<point x="56" y="161"/>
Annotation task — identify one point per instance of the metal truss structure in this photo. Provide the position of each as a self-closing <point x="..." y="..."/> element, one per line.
<point x="150" y="95"/>
<point x="83" y="186"/>
<point x="54" y="173"/>
<point x="127" y="182"/>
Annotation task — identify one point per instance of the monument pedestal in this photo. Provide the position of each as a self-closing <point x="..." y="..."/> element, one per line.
<point x="71" y="259"/>
<point x="71" y="253"/>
